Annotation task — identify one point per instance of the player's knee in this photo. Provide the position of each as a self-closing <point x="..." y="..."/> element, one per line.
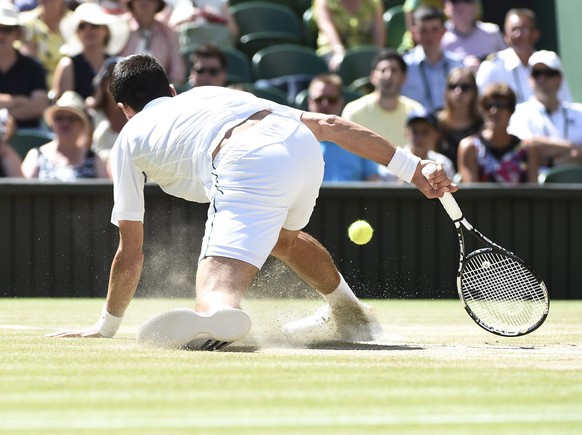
<point x="285" y="244"/>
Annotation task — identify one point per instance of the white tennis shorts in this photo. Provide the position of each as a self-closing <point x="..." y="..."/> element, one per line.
<point x="267" y="178"/>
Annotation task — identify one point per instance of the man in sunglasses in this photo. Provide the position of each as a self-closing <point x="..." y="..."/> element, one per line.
<point x="511" y="65"/>
<point x="208" y="66"/>
<point x="259" y="166"/>
<point x="546" y="121"/>
<point x="325" y="95"/>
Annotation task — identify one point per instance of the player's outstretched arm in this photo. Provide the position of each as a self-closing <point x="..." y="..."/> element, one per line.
<point x="123" y="280"/>
<point x="365" y="143"/>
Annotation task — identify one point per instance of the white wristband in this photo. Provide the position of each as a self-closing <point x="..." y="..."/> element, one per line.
<point x="403" y="164"/>
<point x="108" y="324"/>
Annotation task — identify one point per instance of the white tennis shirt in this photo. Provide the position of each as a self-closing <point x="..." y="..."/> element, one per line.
<point x="171" y="143"/>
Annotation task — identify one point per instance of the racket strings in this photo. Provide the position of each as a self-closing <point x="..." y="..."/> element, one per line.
<point x="502" y="292"/>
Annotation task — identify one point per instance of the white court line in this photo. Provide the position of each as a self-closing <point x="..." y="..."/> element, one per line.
<point x="139" y="422"/>
<point x="18" y="327"/>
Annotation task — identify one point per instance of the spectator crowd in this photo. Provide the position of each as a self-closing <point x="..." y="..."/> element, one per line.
<point x="479" y="99"/>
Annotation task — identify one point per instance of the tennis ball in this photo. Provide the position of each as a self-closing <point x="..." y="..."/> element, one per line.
<point x="360" y="232"/>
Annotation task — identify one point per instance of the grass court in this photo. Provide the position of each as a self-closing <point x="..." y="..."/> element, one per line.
<point x="433" y="372"/>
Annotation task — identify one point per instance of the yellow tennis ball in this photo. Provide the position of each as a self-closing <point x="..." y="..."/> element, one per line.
<point x="360" y="232"/>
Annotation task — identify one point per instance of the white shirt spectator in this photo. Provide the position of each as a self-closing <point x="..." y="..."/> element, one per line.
<point x="531" y="119"/>
<point x="505" y="67"/>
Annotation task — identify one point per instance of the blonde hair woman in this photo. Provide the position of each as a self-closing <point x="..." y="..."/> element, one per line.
<point x="67" y="157"/>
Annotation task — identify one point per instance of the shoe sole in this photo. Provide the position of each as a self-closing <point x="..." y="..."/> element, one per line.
<point x="184" y="328"/>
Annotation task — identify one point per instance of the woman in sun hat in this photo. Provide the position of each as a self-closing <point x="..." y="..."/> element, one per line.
<point x="67" y="157"/>
<point x="92" y="35"/>
<point x="151" y="36"/>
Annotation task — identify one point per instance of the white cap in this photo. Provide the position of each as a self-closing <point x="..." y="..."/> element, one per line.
<point x="547" y="58"/>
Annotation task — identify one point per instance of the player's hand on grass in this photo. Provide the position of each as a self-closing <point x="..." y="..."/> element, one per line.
<point x="438" y="183"/>
<point x="78" y="333"/>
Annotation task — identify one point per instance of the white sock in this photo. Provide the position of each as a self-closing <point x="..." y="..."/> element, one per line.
<point x="342" y="295"/>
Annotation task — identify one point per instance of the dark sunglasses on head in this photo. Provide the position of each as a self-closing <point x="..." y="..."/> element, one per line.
<point x="7" y="29"/>
<point x="462" y="1"/>
<point x="464" y="87"/>
<point x="500" y="105"/>
<point x="549" y="73"/>
<point x="331" y="99"/>
<point x="211" y="71"/>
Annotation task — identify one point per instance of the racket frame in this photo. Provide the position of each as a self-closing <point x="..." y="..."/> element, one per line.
<point x="492" y="247"/>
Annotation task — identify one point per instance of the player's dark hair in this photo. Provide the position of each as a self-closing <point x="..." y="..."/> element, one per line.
<point x="389" y="54"/>
<point x="138" y="79"/>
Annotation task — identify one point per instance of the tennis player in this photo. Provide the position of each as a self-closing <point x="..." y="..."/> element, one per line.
<point x="259" y="165"/>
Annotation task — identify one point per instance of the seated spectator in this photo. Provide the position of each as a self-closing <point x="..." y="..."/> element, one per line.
<point x="495" y="155"/>
<point x="545" y="121"/>
<point x="43" y="39"/>
<point x="92" y="35"/>
<point x="325" y="96"/>
<point x="467" y="37"/>
<point x="423" y="134"/>
<point x="23" y="89"/>
<point x="148" y="35"/>
<point x="344" y="24"/>
<point x="428" y="64"/>
<point x="107" y="118"/>
<point x="9" y="159"/>
<point x="208" y="66"/>
<point x="511" y="65"/>
<point x="204" y="21"/>
<point x="461" y="116"/>
<point x="384" y="110"/>
<point x="67" y="157"/>
<point x="408" y="7"/>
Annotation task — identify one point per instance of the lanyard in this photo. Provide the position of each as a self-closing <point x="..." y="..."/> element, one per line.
<point x="565" y="128"/>
<point x="426" y="84"/>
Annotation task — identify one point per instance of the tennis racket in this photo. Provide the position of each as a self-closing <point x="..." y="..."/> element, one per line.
<point x="501" y="293"/>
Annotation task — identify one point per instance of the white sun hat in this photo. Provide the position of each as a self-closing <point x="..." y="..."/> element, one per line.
<point x="94" y="14"/>
<point x="8" y="15"/>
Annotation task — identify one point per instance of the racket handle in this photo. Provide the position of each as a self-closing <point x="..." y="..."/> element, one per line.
<point x="448" y="201"/>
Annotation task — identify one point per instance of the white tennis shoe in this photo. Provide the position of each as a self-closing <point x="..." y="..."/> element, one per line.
<point x="350" y="324"/>
<point x="184" y="328"/>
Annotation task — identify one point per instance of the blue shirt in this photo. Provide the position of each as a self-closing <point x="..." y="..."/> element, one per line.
<point x="426" y="83"/>
<point x="341" y="165"/>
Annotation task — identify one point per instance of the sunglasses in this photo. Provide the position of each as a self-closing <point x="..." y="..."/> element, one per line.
<point x="464" y="87"/>
<point x="213" y="71"/>
<point x="329" y="99"/>
<point x="500" y="105"/>
<point x="548" y="73"/>
<point x="462" y="1"/>
<point x="7" y="29"/>
<point x="63" y="117"/>
<point x="84" y="25"/>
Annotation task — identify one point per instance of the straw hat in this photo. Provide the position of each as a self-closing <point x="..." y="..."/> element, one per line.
<point x="94" y="14"/>
<point x="70" y="102"/>
<point x="8" y="15"/>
